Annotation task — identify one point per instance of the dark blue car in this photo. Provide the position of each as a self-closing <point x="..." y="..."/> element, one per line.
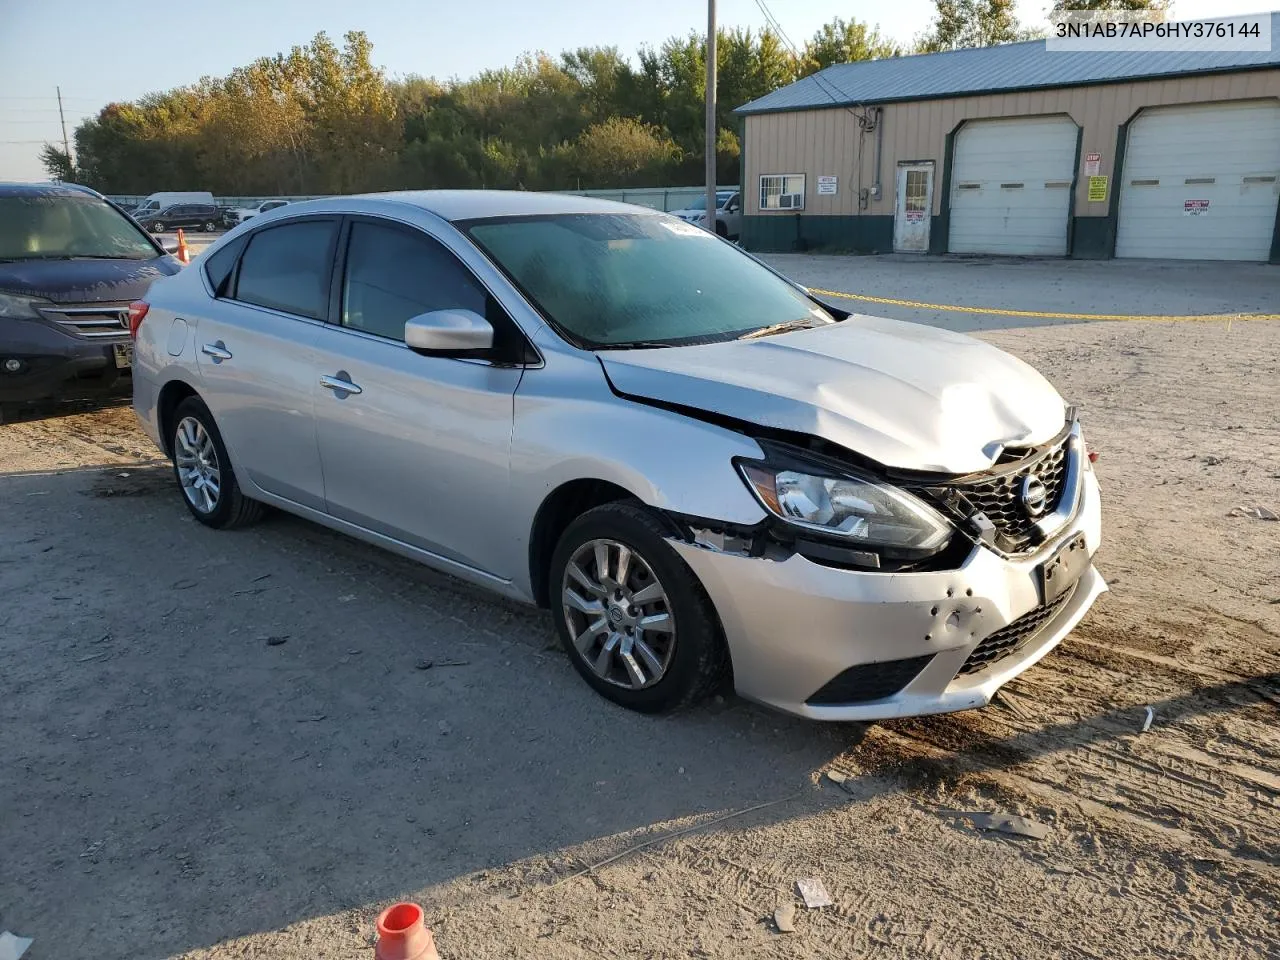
<point x="70" y="264"/>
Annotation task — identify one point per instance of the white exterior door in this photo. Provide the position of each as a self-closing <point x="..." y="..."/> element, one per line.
<point x="1011" y="186"/>
<point x="1200" y="182"/>
<point x="914" y="211"/>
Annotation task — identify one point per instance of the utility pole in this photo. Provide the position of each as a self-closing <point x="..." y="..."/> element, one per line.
<point x="711" y="115"/>
<point x="66" y="147"/>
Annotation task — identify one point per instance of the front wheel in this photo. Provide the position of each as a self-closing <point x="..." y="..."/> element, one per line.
<point x="157" y="227"/>
<point x="203" y="470"/>
<point x="632" y="616"/>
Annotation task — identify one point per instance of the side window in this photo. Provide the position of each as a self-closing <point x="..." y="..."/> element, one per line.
<point x="218" y="266"/>
<point x="287" y="268"/>
<point x="393" y="275"/>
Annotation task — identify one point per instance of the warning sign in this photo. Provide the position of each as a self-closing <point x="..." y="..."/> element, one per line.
<point x="1097" y="189"/>
<point x="1195" y="208"/>
<point x="1092" y="164"/>
<point x="915" y="216"/>
<point x="827" y="185"/>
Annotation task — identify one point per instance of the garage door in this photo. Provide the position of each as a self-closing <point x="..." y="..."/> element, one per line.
<point x="1199" y="183"/>
<point x="1011" y="186"/>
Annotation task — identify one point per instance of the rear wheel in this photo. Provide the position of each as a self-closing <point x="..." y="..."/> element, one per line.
<point x="203" y="470"/>
<point x="210" y="226"/>
<point x="633" y="618"/>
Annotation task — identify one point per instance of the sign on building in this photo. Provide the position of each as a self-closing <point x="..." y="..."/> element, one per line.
<point x="1194" y="208"/>
<point x="826" y="185"/>
<point x="1097" y="189"/>
<point x="1092" y="164"/>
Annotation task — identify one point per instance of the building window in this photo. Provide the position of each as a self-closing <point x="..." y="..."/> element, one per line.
<point x="917" y="194"/>
<point x="782" y="191"/>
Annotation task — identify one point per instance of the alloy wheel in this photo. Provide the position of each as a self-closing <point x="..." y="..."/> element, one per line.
<point x="618" y="614"/>
<point x="197" y="463"/>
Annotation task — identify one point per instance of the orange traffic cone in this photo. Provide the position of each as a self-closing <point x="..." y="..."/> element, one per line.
<point x="403" y="935"/>
<point x="184" y="255"/>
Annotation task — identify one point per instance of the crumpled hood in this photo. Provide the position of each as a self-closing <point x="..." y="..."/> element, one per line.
<point x="85" y="281"/>
<point x="903" y="394"/>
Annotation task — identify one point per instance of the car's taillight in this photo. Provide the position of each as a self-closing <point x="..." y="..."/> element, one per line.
<point x="137" y="311"/>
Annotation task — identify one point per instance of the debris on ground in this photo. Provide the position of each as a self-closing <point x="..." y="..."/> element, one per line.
<point x="445" y="728"/>
<point x="1253" y="513"/>
<point x="1007" y="823"/>
<point x="814" y="893"/>
<point x="845" y="781"/>
<point x="784" y="918"/>
<point x="1146" y="724"/>
<point x="428" y="664"/>
<point x="275" y="641"/>
<point x="12" y="947"/>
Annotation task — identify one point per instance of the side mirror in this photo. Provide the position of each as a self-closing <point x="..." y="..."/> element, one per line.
<point x="448" y="332"/>
<point x="731" y="206"/>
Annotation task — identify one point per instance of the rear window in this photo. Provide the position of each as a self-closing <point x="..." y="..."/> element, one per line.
<point x="288" y="267"/>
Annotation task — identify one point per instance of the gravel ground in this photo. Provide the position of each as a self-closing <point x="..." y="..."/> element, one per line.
<point x="176" y="781"/>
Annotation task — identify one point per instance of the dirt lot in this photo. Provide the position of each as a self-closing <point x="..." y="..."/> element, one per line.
<point x="173" y="782"/>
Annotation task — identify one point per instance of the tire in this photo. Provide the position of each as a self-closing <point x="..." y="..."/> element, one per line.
<point x="157" y="227"/>
<point x="230" y="508"/>
<point x="693" y="661"/>
<point x="210" y="226"/>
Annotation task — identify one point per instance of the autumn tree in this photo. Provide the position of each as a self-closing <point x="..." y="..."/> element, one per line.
<point x="623" y="152"/>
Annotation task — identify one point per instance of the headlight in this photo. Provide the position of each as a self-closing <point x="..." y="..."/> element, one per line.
<point x="863" y="511"/>
<point x="14" y="306"/>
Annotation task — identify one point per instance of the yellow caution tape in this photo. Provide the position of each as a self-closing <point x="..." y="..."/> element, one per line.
<point x="1041" y="314"/>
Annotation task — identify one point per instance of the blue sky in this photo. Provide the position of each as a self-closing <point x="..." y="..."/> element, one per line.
<point x="105" y="50"/>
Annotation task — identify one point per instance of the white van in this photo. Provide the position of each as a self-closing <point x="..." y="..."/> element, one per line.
<point x="158" y="201"/>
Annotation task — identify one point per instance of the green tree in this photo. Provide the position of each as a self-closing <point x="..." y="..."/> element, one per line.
<point x="1112" y="5"/>
<point x="972" y="23"/>
<point x="845" y="41"/>
<point x="57" y="163"/>
<point x="624" y="152"/>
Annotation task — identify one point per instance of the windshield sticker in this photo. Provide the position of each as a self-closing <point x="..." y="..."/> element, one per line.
<point x="684" y="229"/>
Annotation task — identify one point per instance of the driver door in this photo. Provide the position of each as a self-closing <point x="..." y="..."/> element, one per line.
<point x="417" y="448"/>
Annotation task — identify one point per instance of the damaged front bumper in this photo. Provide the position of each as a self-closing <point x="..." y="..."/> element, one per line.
<point x="841" y="644"/>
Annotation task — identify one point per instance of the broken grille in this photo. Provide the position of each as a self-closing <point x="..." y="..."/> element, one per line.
<point x="1000" y="497"/>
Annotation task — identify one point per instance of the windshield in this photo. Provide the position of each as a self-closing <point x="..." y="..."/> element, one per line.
<point x="609" y="280"/>
<point x="722" y="198"/>
<point x="55" y="228"/>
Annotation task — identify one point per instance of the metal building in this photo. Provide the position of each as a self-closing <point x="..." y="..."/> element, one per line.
<point x="1015" y="150"/>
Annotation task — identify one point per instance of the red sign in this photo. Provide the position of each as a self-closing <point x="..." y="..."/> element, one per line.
<point x="1194" y="208"/>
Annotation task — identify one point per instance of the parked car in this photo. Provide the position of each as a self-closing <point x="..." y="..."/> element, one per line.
<point x="702" y="470"/>
<point x="70" y="264"/>
<point x="728" y="214"/>
<point x="197" y="216"/>
<point x="238" y="215"/>
<point x="156" y="202"/>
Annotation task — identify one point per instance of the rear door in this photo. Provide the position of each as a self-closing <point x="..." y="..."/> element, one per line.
<point x="418" y="448"/>
<point x="257" y="356"/>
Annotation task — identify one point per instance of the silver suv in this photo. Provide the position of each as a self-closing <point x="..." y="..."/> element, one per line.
<point x="703" y="471"/>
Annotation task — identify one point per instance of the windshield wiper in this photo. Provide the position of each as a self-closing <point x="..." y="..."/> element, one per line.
<point x="778" y="328"/>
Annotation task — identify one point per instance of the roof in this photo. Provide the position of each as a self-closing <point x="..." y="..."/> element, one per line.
<point x="49" y="189"/>
<point x="999" y="69"/>
<point x="478" y="204"/>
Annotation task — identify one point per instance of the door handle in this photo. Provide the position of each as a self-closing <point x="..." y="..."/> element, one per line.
<point x="218" y="351"/>
<point x="340" y="384"/>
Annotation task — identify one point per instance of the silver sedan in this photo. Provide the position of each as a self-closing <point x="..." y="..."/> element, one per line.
<point x="706" y="474"/>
